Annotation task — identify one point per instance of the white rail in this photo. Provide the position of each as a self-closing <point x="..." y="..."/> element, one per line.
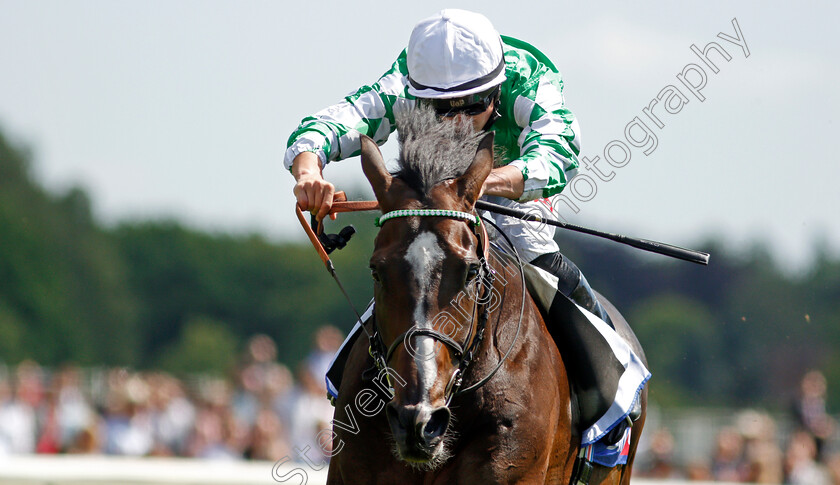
<point x="107" y="470"/>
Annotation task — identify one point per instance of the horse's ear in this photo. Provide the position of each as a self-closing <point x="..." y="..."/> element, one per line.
<point x="469" y="184"/>
<point x="374" y="168"/>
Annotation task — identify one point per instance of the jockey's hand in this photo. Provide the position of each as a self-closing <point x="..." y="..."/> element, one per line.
<point x="313" y="193"/>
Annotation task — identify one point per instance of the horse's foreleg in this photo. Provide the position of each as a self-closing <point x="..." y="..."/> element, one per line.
<point x="602" y="475"/>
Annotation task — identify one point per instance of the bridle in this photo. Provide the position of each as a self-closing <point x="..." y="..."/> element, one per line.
<point x="464" y="352"/>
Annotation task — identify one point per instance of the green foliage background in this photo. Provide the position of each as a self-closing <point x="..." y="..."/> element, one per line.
<point x="156" y="294"/>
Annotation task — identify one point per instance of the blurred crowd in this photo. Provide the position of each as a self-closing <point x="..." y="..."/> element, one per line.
<point x="262" y="411"/>
<point x="751" y="449"/>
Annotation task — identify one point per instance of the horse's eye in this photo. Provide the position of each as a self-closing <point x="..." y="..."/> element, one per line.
<point x="374" y="274"/>
<point x="472" y="272"/>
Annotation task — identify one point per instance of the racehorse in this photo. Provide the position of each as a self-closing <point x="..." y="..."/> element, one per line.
<point x="460" y="381"/>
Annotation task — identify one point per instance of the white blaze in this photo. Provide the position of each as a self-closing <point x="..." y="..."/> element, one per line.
<point x="424" y="255"/>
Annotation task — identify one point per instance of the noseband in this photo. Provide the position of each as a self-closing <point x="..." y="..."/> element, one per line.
<point x="464" y="352"/>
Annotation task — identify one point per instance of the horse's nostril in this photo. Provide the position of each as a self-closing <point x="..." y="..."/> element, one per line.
<point x="414" y="427"/>
<point x="437" y="424"/>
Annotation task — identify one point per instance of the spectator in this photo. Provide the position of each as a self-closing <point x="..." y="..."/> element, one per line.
<point x="18" y="408"/>
<point x="263" y="413"/>
<point x="763" y="458"/>
<point x="698" y="471"/>
<point x="800" y="461"/>
<point x="49" y="436"/>
<point x="152" y="414"/>
<point x="728" y="459"/>
<point x="251" y="377"/>
<point x="74" y="411"/>
<point x="834" y="469"/>
<point x="308" y="412"/>
<point x="88" y="441"/>
<point x="217" y="433"/>
<point x="278" y="384"/>
<point x="268" y="440"/>
<point x="172" y="415"/>
<point x="810" y="410"/>
<point x="128" y="425"/>
<point x="659" y="462"/>
<point x="210" y="437"/>
<point x="328" y="340"/>
<point x="7" y="432"/>
<point x="261" y="349"/>
<point x="249" y="383"/>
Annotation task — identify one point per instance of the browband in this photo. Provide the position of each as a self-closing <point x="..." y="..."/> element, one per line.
<point x="471" y="218"/>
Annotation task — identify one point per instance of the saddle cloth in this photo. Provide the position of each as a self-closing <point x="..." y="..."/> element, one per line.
<point x="606" y="375"/>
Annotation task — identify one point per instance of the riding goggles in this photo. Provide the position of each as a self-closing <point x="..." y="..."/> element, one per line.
<point x="470" y="105"/>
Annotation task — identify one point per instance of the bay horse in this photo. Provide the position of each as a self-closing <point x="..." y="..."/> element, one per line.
<point x="460" y="381"/>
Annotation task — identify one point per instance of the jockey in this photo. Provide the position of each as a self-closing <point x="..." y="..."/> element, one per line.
<point x="458" y="64"/>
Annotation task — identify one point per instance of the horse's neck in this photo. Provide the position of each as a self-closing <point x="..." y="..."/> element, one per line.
<point x="511" y="324"/>
<point x="509" y="303"/>
<point x="507" y="275"/>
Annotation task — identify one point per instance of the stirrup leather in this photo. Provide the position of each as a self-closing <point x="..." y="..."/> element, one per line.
<point x="582" y="471"/>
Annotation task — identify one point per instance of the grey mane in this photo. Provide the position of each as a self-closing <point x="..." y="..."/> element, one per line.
<point x="432" y="151"/>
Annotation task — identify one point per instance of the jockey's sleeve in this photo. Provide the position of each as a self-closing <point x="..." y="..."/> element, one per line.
<point x="334" y="133"/>
<point x="549" y="143"/>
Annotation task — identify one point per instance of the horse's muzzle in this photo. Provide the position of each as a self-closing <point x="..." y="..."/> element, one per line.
<point x="418" y="429"/>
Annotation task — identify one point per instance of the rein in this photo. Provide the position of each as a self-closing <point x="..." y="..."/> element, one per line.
<point x="315" y="231"/>
<point x="465" y="353"/>
<point x="489" y="376"/>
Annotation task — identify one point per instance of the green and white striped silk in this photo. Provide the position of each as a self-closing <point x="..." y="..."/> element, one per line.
<point x="536" y="132"/>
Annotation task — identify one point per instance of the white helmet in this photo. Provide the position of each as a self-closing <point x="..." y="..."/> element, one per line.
<point x="454" y="53"/>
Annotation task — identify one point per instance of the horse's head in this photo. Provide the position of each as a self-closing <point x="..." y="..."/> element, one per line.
<point x="426" y="270"/>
